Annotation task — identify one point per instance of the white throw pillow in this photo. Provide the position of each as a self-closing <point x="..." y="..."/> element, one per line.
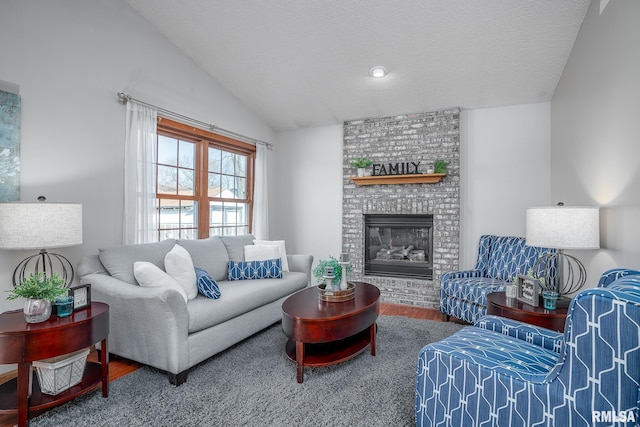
<point x="281" y="249"/>
<point x="179" y="265"/>
<point x="260" y="252"/>
<point x="150" y="275"/>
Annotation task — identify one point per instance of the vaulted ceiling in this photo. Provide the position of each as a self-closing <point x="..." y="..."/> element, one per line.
<point x="305" y="63"/>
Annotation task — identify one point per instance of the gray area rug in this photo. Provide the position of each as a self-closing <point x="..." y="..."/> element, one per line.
<point x="254" y="384"/>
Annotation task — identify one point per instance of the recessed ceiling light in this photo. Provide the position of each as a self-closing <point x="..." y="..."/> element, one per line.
<point x="377" y="72"/>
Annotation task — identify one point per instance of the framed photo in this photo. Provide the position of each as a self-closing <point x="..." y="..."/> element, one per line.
<point x="81" y="296"/>
<point x="528" y="290"/>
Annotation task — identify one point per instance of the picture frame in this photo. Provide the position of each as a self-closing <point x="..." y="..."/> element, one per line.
<point x="528" y="290"/>
<point x="81" y="296"/>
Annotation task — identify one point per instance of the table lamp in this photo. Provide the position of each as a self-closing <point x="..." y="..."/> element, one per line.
<point x="564" y="227"/>
<point x="43" y="226"/>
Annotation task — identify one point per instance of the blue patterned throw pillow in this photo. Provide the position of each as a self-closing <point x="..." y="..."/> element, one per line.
<point x="246" y="270"/>
<point x="207" y="286"/>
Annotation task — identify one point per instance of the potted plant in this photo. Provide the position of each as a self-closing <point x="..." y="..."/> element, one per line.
<point x="318" y="271"/>
<point x="39" y="290"/>
<point x="440" y="166"/>
<point x="361" y="163"/>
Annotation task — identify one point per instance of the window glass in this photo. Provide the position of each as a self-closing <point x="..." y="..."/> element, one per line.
<point x="202" y="182"/>
<point x="167" y="150"/>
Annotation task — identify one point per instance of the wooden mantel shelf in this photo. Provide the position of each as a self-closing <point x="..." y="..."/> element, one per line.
<point x="416" y="178"/>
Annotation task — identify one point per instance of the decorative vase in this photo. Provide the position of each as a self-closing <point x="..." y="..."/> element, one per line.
<point x="36" y="310"/>
<point x="549" y="299"/>
<point x="64" y="306"/>
<point x="361" y="172"/>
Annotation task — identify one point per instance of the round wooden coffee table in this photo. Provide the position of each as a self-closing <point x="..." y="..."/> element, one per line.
<point x="324" y="333"/>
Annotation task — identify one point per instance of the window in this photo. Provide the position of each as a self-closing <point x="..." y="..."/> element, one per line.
<point x="204" y="183"/>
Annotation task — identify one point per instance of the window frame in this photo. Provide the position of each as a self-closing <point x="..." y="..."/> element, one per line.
<point x="204" y="139"/>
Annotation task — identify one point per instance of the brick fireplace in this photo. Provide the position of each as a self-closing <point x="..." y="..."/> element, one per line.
<point x="424" y="138"/>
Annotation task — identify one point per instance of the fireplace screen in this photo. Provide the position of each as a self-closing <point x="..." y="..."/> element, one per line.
<point x="399" y="245"/>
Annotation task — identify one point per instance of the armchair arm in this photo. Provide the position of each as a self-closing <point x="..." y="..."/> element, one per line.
<point x="147" y="324"/>
<point x="545" y="338"/>
<point x="302" y="264"/>
<point x="611" y="276"/>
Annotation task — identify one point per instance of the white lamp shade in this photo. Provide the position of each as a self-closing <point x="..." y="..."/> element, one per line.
<point x="564" y="227"/>
<point x="40" y="225"/>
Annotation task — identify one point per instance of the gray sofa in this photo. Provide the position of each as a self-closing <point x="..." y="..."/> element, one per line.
<point x="156" y="327"/>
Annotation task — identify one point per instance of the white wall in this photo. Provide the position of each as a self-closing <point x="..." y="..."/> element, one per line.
<point x="504" y="170"/>
<point x="305" y="195"/>
<point x="595" y="129"/>
<point x="70" y="58"/>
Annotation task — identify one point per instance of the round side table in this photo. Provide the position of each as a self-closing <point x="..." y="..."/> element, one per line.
<point x="498" y="304"/>
<point x="23" y="343"/>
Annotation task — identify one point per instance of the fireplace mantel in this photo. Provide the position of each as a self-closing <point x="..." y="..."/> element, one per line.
<point x="417" y="178"/>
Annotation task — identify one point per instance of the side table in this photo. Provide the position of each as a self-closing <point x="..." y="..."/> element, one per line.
<point x="22" y="343"/>
<point x="498" y="304"/>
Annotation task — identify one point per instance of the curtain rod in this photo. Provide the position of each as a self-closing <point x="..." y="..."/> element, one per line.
<point x="124" y="98"/>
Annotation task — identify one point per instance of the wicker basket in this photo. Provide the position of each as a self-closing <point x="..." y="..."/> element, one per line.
<point x="336" y="295"/>
<point x="62" y="372"/>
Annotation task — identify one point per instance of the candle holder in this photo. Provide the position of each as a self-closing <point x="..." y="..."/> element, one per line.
<point x="344" y="263"/>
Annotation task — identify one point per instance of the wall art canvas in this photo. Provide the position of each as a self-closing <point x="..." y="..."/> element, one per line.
<point x="10" y="112"/>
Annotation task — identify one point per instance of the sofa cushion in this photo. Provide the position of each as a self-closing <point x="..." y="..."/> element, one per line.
<point x="178" y="264"/>
<point x="235" y="245"/>
<point x="208" y="254"/>
<point x="510" y="356"/>
<point x="260" y="252"/>
<point x="207" y="286"/>
<point x="118" y="261"/>
<point x="240" y="297"/>
<point x="280" y="244"/>
<point x="150" y="275"/>
<point x="250" y="270"/>
<point x="473" y="289"/>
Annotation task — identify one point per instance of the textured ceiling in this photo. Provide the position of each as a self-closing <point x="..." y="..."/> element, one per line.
<point x="304" y="63"/>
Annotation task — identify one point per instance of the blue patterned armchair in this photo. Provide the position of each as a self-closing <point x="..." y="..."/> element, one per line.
<point x="463" y="294"/>
<point x="502" y="372"/>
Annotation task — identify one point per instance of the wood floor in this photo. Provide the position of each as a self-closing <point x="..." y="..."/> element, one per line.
<point x="119" y="367"/>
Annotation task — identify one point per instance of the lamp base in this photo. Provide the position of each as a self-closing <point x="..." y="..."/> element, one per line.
<point x="565" y="271"/>
<point x="563" y="302"/>
<point x="44" y="262"/>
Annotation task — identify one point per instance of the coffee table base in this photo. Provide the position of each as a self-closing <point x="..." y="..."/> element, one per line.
<point x="329" y="353"/>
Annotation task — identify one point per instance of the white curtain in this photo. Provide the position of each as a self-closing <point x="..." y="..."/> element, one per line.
<point x="260" y="227"/>
<point x="139" y="174"/>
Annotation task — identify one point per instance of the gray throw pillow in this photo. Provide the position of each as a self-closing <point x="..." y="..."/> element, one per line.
<point x="118" y="261"/>
<point x="235" y="245"/>
<point x="208" y="254"/>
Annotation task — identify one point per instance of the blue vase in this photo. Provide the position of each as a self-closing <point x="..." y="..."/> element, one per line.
<point x="549" y="299"/>
<point x="64" y="306"/>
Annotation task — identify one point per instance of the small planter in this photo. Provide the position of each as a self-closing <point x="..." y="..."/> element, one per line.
<point x="36" y="310"/>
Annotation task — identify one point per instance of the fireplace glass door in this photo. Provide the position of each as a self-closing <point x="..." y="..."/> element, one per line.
<point x="399" y="245"/>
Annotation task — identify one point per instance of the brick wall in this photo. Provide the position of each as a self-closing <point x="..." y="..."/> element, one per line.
<point x="423" y="137"/>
